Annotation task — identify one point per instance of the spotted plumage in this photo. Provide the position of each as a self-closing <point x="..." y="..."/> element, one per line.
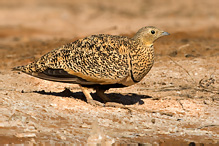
<point x="99" y="61"/>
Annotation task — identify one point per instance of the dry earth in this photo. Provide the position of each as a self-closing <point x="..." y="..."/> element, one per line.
<point x="176" y="103"/>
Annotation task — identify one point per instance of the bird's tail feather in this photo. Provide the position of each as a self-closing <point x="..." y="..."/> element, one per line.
<point x="26" y="68"/>
<point x="18" y="68"/>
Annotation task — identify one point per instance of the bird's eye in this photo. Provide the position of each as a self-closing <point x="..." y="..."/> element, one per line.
<point x="152" y="32"/>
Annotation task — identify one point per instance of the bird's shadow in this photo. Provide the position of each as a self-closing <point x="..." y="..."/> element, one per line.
<point x="125" y="99"/>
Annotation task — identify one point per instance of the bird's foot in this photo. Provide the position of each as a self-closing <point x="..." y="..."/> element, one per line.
<point x="107" y="104"/>
<point x="89" y="98"/>
<point x="95" y="103"/>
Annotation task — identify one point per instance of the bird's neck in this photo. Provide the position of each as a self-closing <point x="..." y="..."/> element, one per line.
<point x="143" y="41"/>
<point x="142" y="59"/>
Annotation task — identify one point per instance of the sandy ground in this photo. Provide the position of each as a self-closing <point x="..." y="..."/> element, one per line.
<point x="176" y="103"/>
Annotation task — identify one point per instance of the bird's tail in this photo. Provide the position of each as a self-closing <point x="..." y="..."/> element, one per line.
<point x="32" y="67"/>
<point x="18" y="68"/>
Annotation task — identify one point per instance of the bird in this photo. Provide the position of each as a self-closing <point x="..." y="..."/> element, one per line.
<point x="99" y="62"/>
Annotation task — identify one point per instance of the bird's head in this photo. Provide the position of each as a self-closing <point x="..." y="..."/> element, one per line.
<point x="147" y="35"/>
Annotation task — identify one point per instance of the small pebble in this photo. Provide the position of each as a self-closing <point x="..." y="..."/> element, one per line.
<point x="153" y="121"/>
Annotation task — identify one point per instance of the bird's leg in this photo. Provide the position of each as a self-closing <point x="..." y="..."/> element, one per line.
<point x="109" y="102"/>
<point x="89" y="97"/>
<point x="100" y="93"/>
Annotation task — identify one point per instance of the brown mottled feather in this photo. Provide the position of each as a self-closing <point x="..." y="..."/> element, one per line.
<point x="99" y="60"/>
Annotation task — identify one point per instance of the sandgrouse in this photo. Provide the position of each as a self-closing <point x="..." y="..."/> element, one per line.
<point x="99" y="62"/>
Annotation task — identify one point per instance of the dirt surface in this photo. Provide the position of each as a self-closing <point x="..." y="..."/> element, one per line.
<point x="176" y="103"/>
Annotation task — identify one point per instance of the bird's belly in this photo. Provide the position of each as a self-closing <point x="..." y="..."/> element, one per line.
<point x="128" y="81"/>
<point x="105" y="87"/>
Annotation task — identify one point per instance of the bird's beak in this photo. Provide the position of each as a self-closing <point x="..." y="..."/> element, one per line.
<point x="165" y="33"/>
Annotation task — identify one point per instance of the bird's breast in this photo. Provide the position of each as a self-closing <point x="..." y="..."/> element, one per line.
<point x="142" y="60"/>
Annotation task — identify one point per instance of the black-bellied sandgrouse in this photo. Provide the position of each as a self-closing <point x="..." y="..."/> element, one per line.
<point x="99" y="62"/>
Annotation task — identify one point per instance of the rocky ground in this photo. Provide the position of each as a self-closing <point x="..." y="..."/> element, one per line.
<point x="176" y="103"/>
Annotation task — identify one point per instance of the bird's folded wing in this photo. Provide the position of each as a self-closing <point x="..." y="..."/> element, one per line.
<point x="98" y="59"/>
<point x="69" y="76"/>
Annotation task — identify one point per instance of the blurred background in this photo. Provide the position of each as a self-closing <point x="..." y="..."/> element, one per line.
<point x="70" y="18"/>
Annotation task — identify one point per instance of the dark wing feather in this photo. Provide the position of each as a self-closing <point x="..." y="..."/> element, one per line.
<point x="59" y="75"/>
